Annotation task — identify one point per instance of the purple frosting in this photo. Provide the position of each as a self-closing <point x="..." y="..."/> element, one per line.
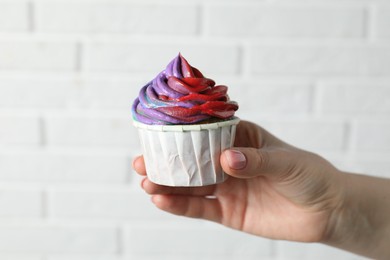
<point x="180" y="94"/>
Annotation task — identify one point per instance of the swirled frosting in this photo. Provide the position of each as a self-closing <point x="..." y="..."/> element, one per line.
<point x="180" y="94"/>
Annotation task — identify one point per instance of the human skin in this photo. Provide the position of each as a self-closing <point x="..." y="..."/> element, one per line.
<point x="278" y="191"/>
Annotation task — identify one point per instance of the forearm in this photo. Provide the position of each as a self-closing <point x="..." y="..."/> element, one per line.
<point x="362" y="222"/>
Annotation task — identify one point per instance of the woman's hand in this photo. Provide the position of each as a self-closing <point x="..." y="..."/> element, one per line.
<point x="275" y="190"/>
<point x="281" y="192"/>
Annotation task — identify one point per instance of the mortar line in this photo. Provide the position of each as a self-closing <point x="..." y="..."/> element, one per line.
<point x="369" y="32"/>
<point x="45" y="210"/>
<point x="78" y="53"/>
<point x="120" y="240"/>
<point x="42" y="131"/>
<point x="30" y="16"/>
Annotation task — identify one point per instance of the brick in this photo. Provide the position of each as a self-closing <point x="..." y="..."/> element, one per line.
<point x="372" y="136"/>
<point x="17" y="130"/>
<point x="339" y="159"/>
<point x="131" y="57"/>
<point x="210" y="256"/>
<point x="68" y="92"/>
<point x="20" y="203"/>
<point x="91" y="131"/>
<point x="189" y="238"/>
<point x="105" y="204"/>
<point x="321" y="59"/>
<point x="118" y="18"/>
<point x="382" y="21"/>
<point x="13" y="17"/>
<point x="64" y="167"/>
<point x="37" y="55"/>
<point x="168" y="256"/>
<point x="147" y="256"/>
<point x="355" y="98"/>
<point x="87" y="257"/>
<point x="374" y="167"/>
<point x="38" y="93"/>
<point x="21" y="257"/>
<point x="251" y="20"/>
<point x="110" y="93"/>
<point x="271" y="97"/>
<point x="295" y="251"/>
<point x="19" y="238"/>
<point x="313" y="135"/>
<point x="348" y="2"/>
<point x="232" y="1"/>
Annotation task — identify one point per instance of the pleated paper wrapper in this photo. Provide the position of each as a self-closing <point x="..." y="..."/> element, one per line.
<point x="186" y="155"/>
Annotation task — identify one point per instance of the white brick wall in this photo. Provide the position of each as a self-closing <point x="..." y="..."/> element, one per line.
<point x="61" y="92"/>
<point x="19" y="130"/>
<point x="37" y="55"/>
<point x="90" y="131"/>
<point x="179" y="239"/>
<point x="21" y="257"/>
<point x="117" y="18"/>
<point x="101" y="204"/>
<point x="321" y="59"/>
<point x="372" y="136"/>
<point x="126" y="56"/>
<point x="382" y="22"/>
<point x="13" y="17"/>
<point x="277" y="96"/>
<point x="355" y="97"/>
<point x="296" y="251"/>
<point x="313" y="135"/>
<point x="314" y="72"/>
<point x="53" y="238"/>
<point x="286" y="21"/>
<point x="64" y="167"/>
<point x="20" y="203"/>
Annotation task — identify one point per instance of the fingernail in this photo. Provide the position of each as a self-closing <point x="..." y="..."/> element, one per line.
<point x="235" y="159"/>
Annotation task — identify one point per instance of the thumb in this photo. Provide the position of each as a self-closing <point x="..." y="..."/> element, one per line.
<point x="250" y="162"/>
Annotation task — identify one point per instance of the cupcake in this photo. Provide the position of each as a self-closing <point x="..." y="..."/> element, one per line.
<point x="184" y="122"/>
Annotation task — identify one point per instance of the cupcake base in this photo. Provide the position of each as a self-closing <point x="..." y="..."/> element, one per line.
<point x="186" y="155"/>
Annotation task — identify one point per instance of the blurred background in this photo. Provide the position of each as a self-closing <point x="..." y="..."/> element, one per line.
<point x="316" y="73"/>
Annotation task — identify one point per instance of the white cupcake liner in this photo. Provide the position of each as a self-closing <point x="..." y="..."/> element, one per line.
<point x="186" y="155"/>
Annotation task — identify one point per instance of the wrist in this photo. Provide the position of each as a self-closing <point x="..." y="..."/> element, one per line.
<point x="360" y="223"/>
<point x="339" y="215"/>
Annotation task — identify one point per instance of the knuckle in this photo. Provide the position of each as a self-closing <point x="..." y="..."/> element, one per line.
<point x="263" y="159"/>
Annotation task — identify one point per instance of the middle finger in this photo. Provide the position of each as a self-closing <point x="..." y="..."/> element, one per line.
<point x="153" y="188"/>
